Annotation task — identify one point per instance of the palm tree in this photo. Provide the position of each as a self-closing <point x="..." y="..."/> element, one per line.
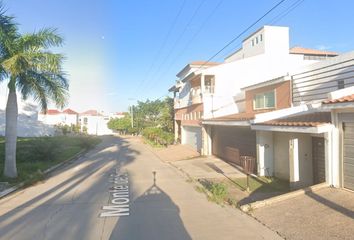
<point x="33" y="71"/>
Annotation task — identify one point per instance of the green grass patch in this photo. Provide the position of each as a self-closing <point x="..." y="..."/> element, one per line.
<point x="35" y="155"/>
<point x="262" y="184"/>
<point x="218" y="191"/>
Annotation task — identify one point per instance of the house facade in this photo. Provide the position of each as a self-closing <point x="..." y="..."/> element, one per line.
<point x="191" y="87"/>
<point x="291" y="110"/>
<point x="310" y="142"/>
<point x="94" y="123"/>
<point x="56" y="117"/>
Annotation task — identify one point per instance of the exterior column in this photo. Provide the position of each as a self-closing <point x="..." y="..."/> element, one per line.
<point x="210" y="151"/>
<point x="265" y="153"/>
<point x="206" y="150"/>
<point x="294" y="162"/>
<point x="336" y="161"/>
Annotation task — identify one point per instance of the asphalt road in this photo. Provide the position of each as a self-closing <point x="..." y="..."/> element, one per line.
<point x="118" y="176"/>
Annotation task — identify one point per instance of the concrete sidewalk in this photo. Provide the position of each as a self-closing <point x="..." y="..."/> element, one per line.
<point x="175" y="153"/>
<point x="208" y="167"/>
<point x="324" y="214"/>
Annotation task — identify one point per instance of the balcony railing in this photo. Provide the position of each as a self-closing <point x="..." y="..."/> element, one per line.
<point x="209" y="89"/>
<point x="195" y="96"/>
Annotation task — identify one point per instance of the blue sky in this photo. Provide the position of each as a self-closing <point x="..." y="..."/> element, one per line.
<point x="118" y="50"/>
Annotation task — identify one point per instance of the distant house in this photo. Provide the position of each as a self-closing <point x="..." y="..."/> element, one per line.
<point x="94" y="122"/>
<point x="117" y="115"/>
<point x="56" y="117"/>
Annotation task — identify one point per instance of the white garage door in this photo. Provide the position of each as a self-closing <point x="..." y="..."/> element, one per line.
<point x="348" y="155"/>
<point x="192" y="137"/>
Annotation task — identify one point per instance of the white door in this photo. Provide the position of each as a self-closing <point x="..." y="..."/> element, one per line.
<point x="192" y="137"/>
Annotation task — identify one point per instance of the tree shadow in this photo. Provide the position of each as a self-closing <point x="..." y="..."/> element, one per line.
<point x="153" y="216"/>
<point x="66" y="194"/>
<point x="266" y="190"/>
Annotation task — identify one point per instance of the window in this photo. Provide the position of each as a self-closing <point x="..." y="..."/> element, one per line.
<point x="85" y="120"/>
<point x="209" y="82"/>
<point x="264" y="100"/>
<point x="340" y="84"/>
<point x="256" y="40"/>
<point x="252" y="42"/>
<point x="261" y="37"/>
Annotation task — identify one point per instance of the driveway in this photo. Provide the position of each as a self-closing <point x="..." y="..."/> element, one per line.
<point x="155" y="202"/>
<point x="324" y="214"/>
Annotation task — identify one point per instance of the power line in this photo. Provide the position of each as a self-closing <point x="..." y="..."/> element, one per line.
<point x="192" y="39"/>
<point x="243" y="32"/>
<point x="180" y="36"/>
<point x="286" y="12"/>
<point x="240" y="34"/>
<point x="157" y="56"/>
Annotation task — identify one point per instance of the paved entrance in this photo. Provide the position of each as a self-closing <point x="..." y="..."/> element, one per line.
<point x="324" y="214"/>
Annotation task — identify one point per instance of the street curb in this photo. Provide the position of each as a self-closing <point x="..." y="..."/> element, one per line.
<point x="259" y="204"/>
<point x="46" y="172"/>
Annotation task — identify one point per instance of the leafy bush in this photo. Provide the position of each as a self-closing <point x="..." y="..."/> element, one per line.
<point x="158" y="136"/>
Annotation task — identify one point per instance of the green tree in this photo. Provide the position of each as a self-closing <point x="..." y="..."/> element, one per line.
<point x="120" y="124"/>
<point x="166" y="118"/>
<point x="33" y="71"/>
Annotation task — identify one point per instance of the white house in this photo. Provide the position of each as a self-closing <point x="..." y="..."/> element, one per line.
<point x="56" y="117"/>
<point x="312" y="141"/>
<point x="94" y="123"/>
<point x="207" y="90"/>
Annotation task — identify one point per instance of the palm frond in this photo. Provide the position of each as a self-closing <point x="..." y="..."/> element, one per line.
<point x="8" y="34"/>
<point x="43" y="39"/>
<point x="54" y="86"/>
<point x="45" y="61"/>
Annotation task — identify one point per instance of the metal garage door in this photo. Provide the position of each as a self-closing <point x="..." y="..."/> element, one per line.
<point x="348" y="155"/>
<point x="193" y="137"/>
<point x="318" y="156"/>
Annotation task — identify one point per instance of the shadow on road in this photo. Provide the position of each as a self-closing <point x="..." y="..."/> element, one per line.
<point x="35" y="213"/>
<point x="153" y="216"/>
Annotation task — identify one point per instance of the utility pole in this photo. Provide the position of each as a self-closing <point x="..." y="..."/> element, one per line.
<point x="132" y="115"/>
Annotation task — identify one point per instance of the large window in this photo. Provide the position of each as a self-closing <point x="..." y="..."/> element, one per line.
<point x="264" y="100"/>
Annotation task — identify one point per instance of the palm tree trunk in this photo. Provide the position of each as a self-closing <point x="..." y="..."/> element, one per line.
<point x="10" y="169"/>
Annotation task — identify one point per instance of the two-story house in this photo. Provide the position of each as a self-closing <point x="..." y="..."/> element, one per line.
<point x="189" y="91"/>
<point x="253" y="80"/>
<point x="249" y="91"/>
<point x="311" y="142"/>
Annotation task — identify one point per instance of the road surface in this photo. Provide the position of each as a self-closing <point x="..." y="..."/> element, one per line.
<point x="121" y="190"/>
